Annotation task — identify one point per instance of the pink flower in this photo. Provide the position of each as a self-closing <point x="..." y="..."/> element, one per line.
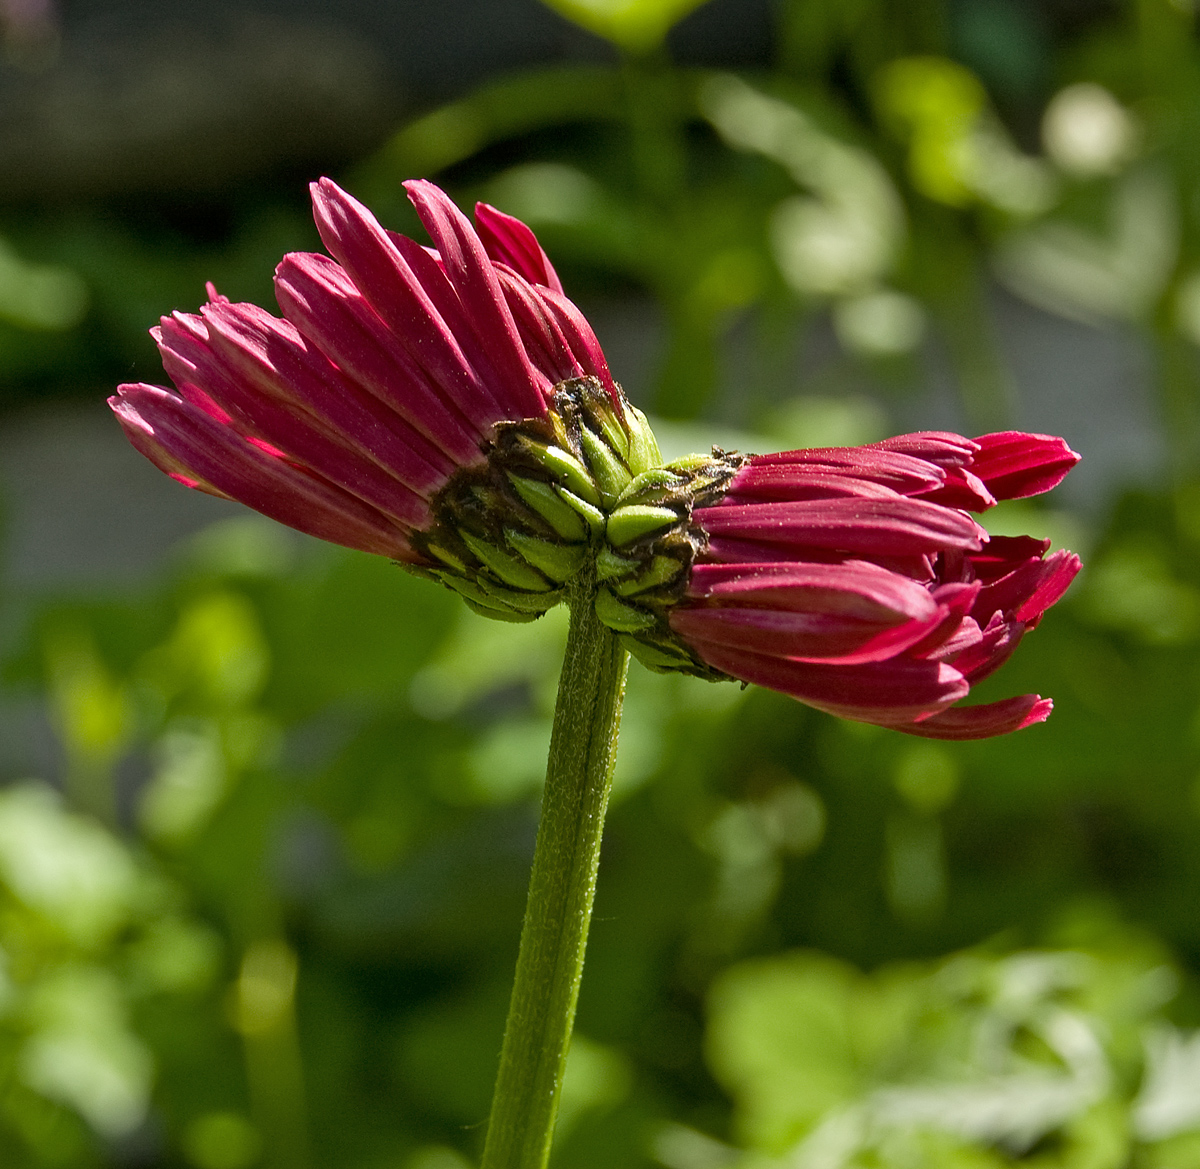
<point x="387" y="374"/>
<point x="850" y="579"/>
<point x="449" y="408"/>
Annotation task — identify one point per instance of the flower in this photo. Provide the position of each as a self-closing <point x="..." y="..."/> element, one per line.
<point x="852" y="580"/>
<point x="450" y="408"/>
<point x="388" y="372"/>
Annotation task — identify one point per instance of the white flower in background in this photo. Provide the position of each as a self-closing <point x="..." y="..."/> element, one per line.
<point x="844" y="234"/>
<point x="883" y="323"/>
<point x="1087" y="132"/>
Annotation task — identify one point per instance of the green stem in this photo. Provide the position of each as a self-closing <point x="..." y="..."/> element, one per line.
<point x="583" y="747"/>
<point x="656" y="127"/>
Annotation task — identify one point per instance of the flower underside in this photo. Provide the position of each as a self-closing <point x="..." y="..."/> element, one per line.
<point x="448" y="407"/>
<point x="578" y="501"/>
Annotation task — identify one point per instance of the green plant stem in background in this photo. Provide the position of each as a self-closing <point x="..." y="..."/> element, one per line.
<point x="656" y="120"/>
<point x="951" y="280"/>
<point x="583" y="748"/>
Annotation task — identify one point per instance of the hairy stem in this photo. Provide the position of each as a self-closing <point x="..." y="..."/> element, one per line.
<point x="561" y="889"/>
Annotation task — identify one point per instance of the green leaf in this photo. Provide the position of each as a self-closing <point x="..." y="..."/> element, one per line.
<point x="637" y="26"/>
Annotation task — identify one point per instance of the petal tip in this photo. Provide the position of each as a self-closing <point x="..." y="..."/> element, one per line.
<point x="1038" y="712"/>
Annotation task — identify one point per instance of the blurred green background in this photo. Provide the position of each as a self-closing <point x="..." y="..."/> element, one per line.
<point x="267" y="807"/>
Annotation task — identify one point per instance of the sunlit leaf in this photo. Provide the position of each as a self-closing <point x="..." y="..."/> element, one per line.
<point x="633" y="25"/>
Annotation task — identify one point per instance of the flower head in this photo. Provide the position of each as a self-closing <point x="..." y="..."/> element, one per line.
<point x="448" y="407"/>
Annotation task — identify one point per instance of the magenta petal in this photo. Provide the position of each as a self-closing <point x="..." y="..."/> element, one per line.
<point x="473" y="277"/>
<point x="362" y="247"/>
<point x="954" y="603"/>
<point x="1062" y="568"/>
<point x="892" y="691"/>
<point x="982" y="722"/>
<point x="189" y="445"/>
<point x="965" y="637"/>
<point x="509" y="241"/>
<point x="540" y="334"/>
<point x="798" y="635"/>
<point x="320" y="300"/>
<point x="237" y="371"/>
<point x="733" y="550"/>
<point x="579" y="336"/>
<point x="1002" y="554"/>
<point x="855" y="589"/>
<point x="901" y="472"/>
<point x="1016" y="465"/>
<point x="787" y="481"/>
<point x="273" y="358"/>
<point x="935" y="446"/>
<point x="207" y="403"/>
<point x="887" y="526"/>
<point x="1030" y="589"/>
<point x="996" y="644"/>
<point x="961" y="489"/>
<point x="487" y="355"/>
<point x="204" y="378"/>
<point x="727" y="551"/>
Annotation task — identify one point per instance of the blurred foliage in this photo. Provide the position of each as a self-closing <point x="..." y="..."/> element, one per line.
<point x="1048" y="1057"/>
<point x="261" y="891"/>
<point x="273" y="917"/>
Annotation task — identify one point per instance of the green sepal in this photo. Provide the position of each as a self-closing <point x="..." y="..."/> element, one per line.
<point x="688" y="463"/>
<point x="650" y="487"/>
<point x="560" y="562"/>
<point x="500" y="614"/>
<point x="447" y="557"/>
<point x="566" y="467"/>
<point x="508" y="568"/>
<point x="462" y="585"/>
<point x="610" y="474"/>
<point x="544" y="500"/>
<point x="610" y="563"/>
<point x="652" y="657"/>
<point x="479" y="600"/>
<point x="614" y="432"/>
<point x="593" y="516"/>
<point x="523" y="602"/>
<point x="644" y="454"/>
<point x="661" y="570"/>
<point x="620" y="616"/>
<point x="629" y="523"/>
